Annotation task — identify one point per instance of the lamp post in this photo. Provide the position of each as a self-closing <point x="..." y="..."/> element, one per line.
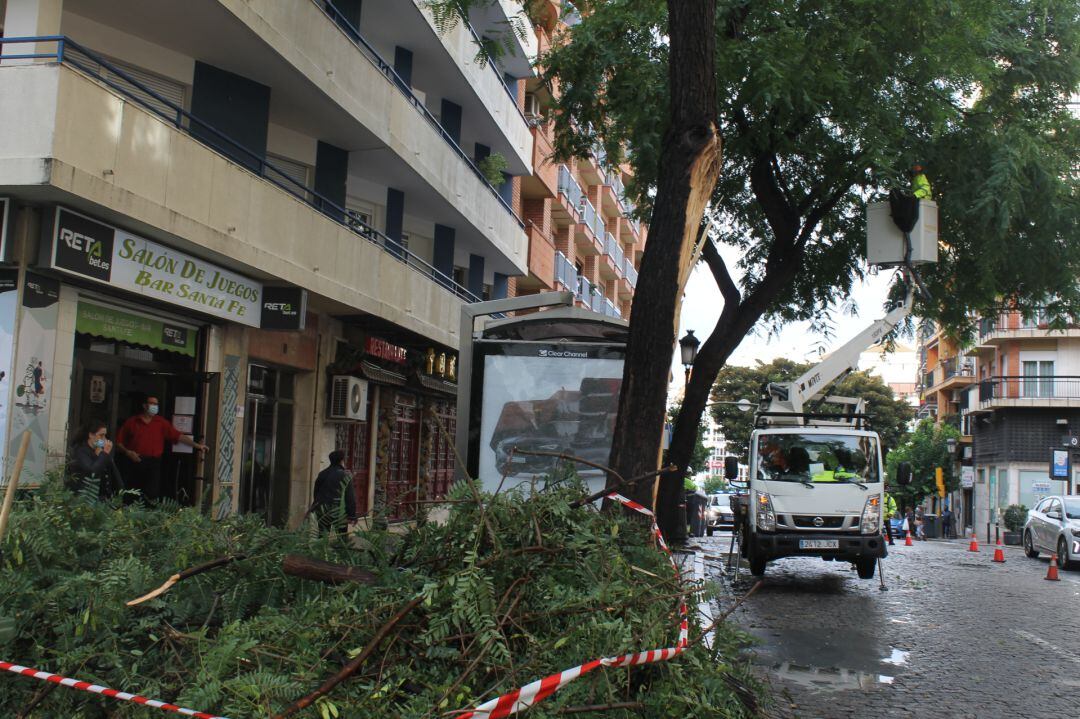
<point x="688" y="346"/>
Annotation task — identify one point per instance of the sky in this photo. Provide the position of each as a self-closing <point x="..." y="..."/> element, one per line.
<point x="703" y="303"/>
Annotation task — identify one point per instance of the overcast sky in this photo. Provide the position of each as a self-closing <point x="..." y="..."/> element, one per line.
<point x="703" y="303"/>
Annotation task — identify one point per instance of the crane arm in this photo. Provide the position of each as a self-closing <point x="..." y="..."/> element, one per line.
<point x="793" y="396"/>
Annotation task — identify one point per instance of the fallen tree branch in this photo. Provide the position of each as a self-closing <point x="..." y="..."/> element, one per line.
<point x="601" y="707"/>
<point x="327" y="572"/>
<point x="185" y="574"/>
<point x="349" y="669"/>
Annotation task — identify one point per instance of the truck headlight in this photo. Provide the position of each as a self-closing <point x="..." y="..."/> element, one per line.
<point x="766" y="517"/>
<point x="871" y="516"/>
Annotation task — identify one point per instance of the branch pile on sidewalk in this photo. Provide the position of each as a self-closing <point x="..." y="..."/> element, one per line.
<point x="421" y="624"/>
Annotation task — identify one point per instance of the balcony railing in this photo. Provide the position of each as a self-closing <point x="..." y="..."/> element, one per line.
<point x="1011" y="321"/>
<point x="569" y="187"/>
<point x="630" y="272"/>
<point x="958" y="366"/>
<point x="565" y="272"/>
<point x="71" y="54"/>
<point x="592" y="218"/>
<point x="613" y="250"/>
<point x="610" y="309"/>
<point x="502" y="82"/>
<point x="1029" y="387"/>
<point x="387" y="69"/>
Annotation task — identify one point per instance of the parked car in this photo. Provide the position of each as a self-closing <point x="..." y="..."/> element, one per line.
<point x="1053" y="526"/>
<point x="896" y="523"/>
<point x="718" y="513"/>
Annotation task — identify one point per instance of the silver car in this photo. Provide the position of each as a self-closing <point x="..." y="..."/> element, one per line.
<point x="718" y="513"/>
<point x="1053" y="526"/>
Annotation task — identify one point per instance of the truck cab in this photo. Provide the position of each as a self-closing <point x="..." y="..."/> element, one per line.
<point x="814" y="491"/>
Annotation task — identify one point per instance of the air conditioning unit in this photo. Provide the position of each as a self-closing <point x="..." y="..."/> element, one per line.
<point x="532" y="106"/>
<point x="348" y="398"/>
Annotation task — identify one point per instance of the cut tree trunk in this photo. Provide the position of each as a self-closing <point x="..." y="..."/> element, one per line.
<point x="688" y="168"/>
<point x="327" y="572"/>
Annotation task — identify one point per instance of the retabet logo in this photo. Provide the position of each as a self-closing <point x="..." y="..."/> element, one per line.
<point x="88" y="245"/>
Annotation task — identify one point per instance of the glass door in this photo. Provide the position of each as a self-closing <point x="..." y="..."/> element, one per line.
<point x="267" y="467"/>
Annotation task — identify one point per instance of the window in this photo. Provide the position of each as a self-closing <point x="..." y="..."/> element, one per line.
<point x="1038" y="378"/>
<point x="817" y="458"/>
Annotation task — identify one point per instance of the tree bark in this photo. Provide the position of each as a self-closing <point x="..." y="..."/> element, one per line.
<point x="688" y="169"/>
<point x="327" y="572"/>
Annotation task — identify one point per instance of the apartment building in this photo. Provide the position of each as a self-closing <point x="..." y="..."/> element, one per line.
<point x="1023" y="402"/>
<point x="946" y="371"/>
<point x="896" y="367"/>
<point x="268" y="215"/>
<point x="582" y="234"/>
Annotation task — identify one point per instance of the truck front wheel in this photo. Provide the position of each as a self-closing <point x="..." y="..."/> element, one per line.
<point x="757" y="562"/>
<point x="866" y="567"/>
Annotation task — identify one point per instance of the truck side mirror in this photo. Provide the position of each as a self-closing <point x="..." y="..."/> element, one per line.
<point x="731" y="468"/>
<point x="903" y="474"/>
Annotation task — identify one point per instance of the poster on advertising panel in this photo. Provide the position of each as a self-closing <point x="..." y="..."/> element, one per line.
<point x="32" y="375"/>
<point x="9" y="297"/>
<point x="553" y="398"/>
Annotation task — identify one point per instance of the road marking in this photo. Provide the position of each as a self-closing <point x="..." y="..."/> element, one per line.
<point x="1063" y="653"/>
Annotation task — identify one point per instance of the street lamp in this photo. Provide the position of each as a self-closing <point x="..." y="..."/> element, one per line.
<point x="688" y="345"/>
<point x="950" y="444"/>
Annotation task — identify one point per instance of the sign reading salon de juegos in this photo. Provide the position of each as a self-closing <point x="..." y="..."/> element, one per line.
<point x="91" y="249"/>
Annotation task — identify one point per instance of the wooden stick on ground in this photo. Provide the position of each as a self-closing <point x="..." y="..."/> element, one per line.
<point x="349" y="669"/>
<point x="13" y="484"/>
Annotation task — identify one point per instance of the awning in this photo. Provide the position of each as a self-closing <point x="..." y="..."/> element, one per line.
<point x="383" y="376"/>
<point x="116" y="324"/>
<point x="438" y="385"/>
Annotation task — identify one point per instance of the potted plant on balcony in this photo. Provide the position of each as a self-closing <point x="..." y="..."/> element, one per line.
<point x="1015" y="517"/>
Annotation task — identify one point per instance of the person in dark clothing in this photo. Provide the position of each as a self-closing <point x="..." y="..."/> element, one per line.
<point x="332" y="486"/>
<point x="947" y="530"/>
<point x="92" y="459"/>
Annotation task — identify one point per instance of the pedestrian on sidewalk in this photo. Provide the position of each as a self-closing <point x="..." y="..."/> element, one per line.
<point x="920" y="524"/>
<point x="947" y="524"/>
<point x="335" y="505"/>
<point x="909" y="521"/>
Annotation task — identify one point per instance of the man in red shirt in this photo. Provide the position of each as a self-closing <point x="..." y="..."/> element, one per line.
<point x="142" y="440"/>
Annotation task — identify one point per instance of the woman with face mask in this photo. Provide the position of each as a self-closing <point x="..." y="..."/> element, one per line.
<point x="92" y="460"/>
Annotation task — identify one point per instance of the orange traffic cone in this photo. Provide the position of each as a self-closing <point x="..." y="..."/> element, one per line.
<point x="1052" y="573"/>
<point x="907" y="539"/>
<point x="999" y="553"/>
<point x="974" y="546"/>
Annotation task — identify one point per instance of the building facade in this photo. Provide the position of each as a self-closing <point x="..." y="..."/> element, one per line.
<point x="583" y="236"/>
<point x="1023" y="402"/>
<point x="268" y="215"/>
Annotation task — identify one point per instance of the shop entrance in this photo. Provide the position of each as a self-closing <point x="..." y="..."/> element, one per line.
<point x="112" y="381"/>
<point x="267" y="467"/>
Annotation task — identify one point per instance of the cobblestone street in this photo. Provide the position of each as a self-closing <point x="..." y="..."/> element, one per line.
<point x="955" y="636"/>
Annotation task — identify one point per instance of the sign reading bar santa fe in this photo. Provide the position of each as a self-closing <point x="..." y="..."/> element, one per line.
<point x="85" y="247"/>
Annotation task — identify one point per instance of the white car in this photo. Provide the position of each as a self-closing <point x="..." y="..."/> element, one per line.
<point x="718" y="513"/>
<point x="1053" y="526"/>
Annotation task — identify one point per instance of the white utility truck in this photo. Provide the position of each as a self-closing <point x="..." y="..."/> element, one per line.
<point x="817" y="479"/>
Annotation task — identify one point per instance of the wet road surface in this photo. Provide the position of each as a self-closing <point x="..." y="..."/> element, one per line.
<point x="956" y="636"/>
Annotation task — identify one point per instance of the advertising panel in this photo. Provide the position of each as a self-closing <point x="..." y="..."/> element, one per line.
<point x="33" y="374"/>
<point x="283" y="308"/>
<point x="551" y="398"/>
<point x="1059" y="464"/>
<point x="91" y="249"/>
<point x="9" y="296"/>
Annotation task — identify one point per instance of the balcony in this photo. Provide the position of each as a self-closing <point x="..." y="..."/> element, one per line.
<point x="546" y="171"/>
<point x="541" y="258"/>
<point x="1014" y="325"/>
<point x="614" y="253"/>
<point x="631" y="273"/>
<point x="565" y="274"/>
<point x="499" y="19"/>
<point x="1028" y="391"/>
<point x="137" y="161"/>
<point x="571" y="192"/>
<point x="952" y="373"/>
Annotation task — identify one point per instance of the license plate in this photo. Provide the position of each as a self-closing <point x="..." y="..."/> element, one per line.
<point x="819" y="544"/>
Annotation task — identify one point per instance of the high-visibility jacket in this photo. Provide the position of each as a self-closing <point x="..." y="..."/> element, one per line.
<point x="890" y="505"/>
<point x="920" y="187"/>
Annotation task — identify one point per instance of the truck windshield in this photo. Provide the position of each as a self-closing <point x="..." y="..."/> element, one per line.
<point x="817" y="458"/>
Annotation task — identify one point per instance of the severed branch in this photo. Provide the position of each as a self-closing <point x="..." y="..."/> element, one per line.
<point x="601" y="707"/>
<point x="620" y="483"/>
<point x="349" y="669"/>
<point x="292" y="564"/>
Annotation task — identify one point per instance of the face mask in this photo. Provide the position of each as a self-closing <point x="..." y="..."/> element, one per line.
<point x="152" y="409"/>
<point x="99" y="443"/>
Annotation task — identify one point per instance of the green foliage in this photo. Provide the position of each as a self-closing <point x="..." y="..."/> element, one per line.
<point x="550" y="588"/>
<point x="825" y="103"/>
<point x="715" y="484"/>
<point x="926" y="449"/>
<point x="492" y="168"/>
<point x="890" y="415"/>
<point x="1015" y="517"/>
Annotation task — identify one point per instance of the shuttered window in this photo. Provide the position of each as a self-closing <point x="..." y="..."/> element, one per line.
<point x="298" y="172"/>
<point x="164" y="87"/>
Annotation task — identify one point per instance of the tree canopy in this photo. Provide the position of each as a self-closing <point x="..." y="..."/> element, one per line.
<point x="926" y="449"/>
<point x="890" y="415"/>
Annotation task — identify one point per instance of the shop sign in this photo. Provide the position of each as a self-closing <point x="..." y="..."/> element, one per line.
<point x="385" y="351"/>
<point x="967" y="477"/>
<point x="115" y="324"/>
<point x="103" y="253"/>
<point x="283" y="308"/>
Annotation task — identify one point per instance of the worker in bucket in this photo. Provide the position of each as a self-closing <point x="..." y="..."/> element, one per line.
<point x="920" y="186"/>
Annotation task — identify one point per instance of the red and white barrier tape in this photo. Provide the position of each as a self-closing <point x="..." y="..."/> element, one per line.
<point x="104" y="691"/>
<point x="536" y="692"/>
